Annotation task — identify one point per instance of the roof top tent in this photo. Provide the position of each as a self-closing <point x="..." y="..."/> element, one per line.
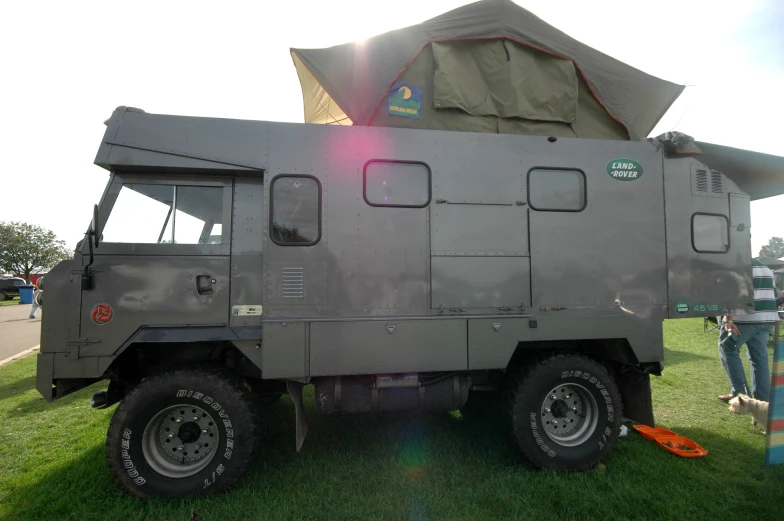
<point x="490" y="66"/>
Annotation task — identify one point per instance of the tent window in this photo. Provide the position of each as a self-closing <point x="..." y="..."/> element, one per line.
<point x="556" y="190"/>
<point x="165" y="214"/>
<point x="296" y="210"/>
<point x="504" y="79"/>
<point x="710" y="233"/>
<point x="397" y="183"/>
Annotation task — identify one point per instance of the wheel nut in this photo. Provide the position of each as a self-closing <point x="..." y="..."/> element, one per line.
<point x="195" y="418"/>
<point x="553" y="397"/>
<point x="546" y="409"/>
<point x="204" y="431"/>
<point x="574" y="409"/>
<point x="178" y="419"/>
<point x="181" y="447"/>
<point x="171" y="435"/>
<point x="555" y="422"/>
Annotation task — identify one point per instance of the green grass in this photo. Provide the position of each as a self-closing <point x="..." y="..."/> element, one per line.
<point x="10" y="302"/>
<point x="52" y="463"/>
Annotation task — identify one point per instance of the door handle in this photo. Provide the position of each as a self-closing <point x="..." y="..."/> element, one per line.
<point x="204" y="284"/>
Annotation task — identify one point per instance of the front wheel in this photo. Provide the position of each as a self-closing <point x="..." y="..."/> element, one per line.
<point x="183" y="432"/>
<point x="565" y="412"/>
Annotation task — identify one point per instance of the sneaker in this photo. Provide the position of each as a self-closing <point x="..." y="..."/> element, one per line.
<point x="726" y="397"/>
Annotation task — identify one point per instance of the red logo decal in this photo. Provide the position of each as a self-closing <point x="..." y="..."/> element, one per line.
<point x="102" y="314"/>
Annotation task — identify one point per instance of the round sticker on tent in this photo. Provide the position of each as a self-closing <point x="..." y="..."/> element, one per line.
<point x="682" y="308"/>
<point x="624" y="169"/>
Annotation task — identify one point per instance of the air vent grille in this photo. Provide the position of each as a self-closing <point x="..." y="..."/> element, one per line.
<point x="702" y="181"/>
<point x="716" y="182"/>
<point x="293" y="282"/>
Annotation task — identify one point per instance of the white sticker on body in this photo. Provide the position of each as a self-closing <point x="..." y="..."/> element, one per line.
<point x="244" y="311"/>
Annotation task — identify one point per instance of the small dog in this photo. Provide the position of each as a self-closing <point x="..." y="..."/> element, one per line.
<point x="758" y="409"/>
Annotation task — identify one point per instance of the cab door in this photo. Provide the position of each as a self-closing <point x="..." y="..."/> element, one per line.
<point x="164" y="258"/>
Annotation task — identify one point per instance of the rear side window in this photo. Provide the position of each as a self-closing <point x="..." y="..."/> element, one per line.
<point x="710" y="233"/>
<point x="296" y="210"/>
<point x="556" y="190"/>
<point x="404" y="184"/>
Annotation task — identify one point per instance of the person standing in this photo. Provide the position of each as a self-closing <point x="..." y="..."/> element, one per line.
<point x="754" y="331"/>
<point x="36" y="297"/>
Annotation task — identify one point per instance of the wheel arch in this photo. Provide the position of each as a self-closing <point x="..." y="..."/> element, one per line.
<point x="615" y="354"/>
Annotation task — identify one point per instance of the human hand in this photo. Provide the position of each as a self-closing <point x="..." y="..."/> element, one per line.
<point x="732" y="328"/>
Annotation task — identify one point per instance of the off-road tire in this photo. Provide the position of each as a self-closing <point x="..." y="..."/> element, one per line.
<point x="210" y="389"/>
<point x="529" y="394"/>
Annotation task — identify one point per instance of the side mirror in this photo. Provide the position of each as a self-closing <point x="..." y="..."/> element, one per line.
<point x="94" y="228"/>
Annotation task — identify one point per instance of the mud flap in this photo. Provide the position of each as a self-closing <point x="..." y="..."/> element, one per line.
<point x="295" y="391"/>
<point x="635" y="389"/>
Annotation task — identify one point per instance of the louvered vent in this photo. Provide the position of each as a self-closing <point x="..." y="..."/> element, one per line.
<point x="716" y="182"/>
<point x="293" y="284"/>
<point x="702" y="180"/>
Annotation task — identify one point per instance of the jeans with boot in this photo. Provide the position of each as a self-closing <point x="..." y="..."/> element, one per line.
<point x="755" y="336"/>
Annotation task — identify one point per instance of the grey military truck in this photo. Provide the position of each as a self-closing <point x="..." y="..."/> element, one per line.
<point x="230" y="262"/>
<point x="475" y="209"/>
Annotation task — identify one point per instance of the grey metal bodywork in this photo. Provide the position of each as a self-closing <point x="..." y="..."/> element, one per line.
<point x="457" y="285"/>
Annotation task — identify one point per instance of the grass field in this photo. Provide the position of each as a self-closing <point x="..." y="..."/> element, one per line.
<point x="52" y="463"/>
<point x="9" y="302"/>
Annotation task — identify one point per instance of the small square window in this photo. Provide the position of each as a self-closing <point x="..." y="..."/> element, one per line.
<point x="556" y="190"/>
<point x="397" y="183"/>
<point x="296" y="210"/>
<point x="710" y="233"/>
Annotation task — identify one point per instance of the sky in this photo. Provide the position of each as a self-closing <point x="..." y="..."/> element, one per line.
<point x="66" y="65"/>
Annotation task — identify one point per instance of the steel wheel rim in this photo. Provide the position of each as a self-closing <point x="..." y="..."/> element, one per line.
<point x="569" y="414"/>
<point x="180" y="440"/>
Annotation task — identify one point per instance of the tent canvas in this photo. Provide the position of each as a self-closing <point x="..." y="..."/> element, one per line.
<point x="490" y="66"/>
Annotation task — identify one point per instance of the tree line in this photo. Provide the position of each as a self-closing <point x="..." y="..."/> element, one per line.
<point x="26" y="249"/>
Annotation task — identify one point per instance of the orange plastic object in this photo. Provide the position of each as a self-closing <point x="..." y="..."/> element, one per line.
<point x="650" y="433"/>
<point x="681" y="446"/>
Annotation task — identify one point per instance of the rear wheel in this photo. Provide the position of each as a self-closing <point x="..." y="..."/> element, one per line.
<point x="3" y="296"/>
<point x="183" y="432"/>
<point x="565" y="412"/>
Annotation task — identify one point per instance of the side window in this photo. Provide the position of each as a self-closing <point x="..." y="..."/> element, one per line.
<point x="397" y="183"/>
<point x="295" y="202"/>
<point x="710" y="233"/>
<point x="556" y="190"/>
<point x="165" y="214"/>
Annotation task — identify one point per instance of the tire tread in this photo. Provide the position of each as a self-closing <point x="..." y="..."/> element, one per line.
<point x="224" y="382"/>
<point x="533" y="371"/>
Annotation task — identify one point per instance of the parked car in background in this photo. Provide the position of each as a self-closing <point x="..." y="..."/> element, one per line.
<point x="9" y="287"/>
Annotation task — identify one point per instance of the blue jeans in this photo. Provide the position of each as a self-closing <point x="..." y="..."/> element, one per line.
<point x="755" y="336"/>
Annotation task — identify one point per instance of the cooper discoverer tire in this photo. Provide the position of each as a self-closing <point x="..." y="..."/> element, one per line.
<point x="565" y="412"/>
<point x="183" y="432"/>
